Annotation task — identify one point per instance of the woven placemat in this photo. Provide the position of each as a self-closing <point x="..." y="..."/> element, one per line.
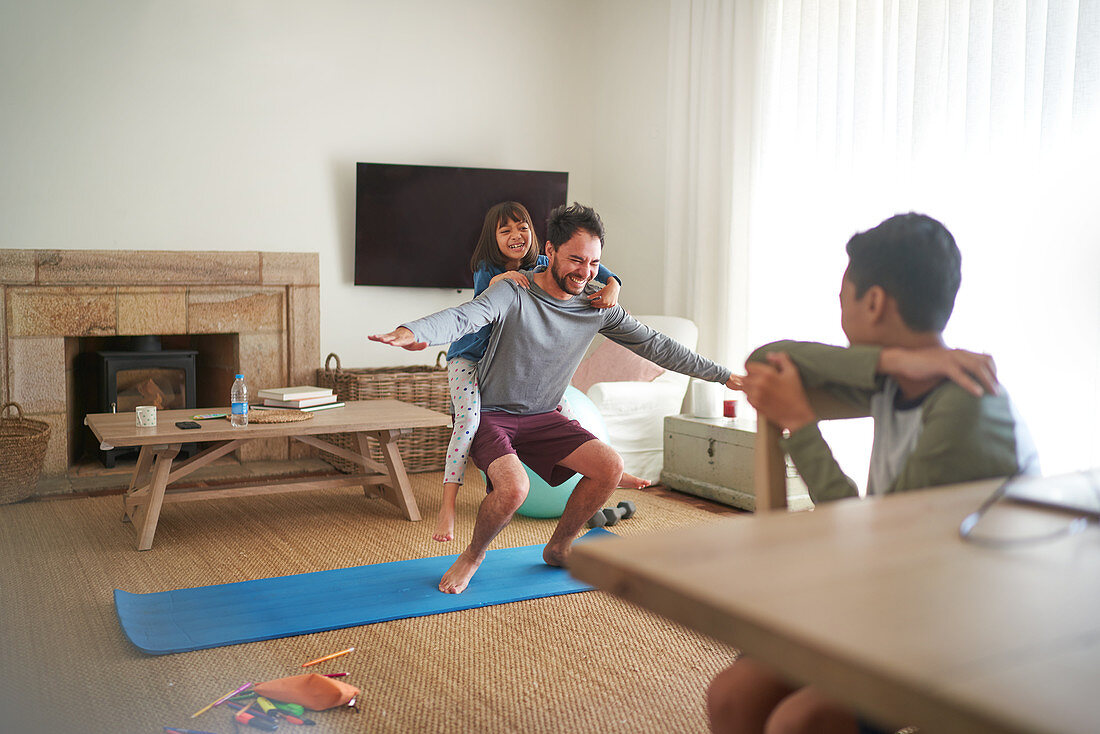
<point x="277" y="416"/>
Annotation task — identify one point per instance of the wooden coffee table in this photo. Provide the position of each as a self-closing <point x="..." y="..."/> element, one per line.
<point x="383" y="420"/>
<point x="881" y="605"/>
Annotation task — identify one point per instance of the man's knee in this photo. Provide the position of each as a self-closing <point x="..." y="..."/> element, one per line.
<point x="602" y="463"/>
<point x="615" y="466"/>
<point x="511" y="496"/>
<point x="510" y="481"/>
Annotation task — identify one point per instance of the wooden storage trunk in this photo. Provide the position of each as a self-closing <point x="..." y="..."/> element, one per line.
<point x="713" y="458"/>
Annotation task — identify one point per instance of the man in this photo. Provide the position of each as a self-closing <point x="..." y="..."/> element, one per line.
<point x="933" y="424"/>
<point x="539" y="336"/>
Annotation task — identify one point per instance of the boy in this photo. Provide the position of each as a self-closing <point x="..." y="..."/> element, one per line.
<point x="933" y="424"/>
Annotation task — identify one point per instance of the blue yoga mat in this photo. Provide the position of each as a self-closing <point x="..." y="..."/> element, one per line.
<point x="228" y="614"/>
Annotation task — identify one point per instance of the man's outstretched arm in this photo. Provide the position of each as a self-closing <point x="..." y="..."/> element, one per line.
<point x="449" y="324"/>
<point x="648" y="343"/>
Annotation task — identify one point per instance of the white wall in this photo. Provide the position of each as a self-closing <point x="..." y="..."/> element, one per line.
<point x="236" y="125"/>
<point x="629" y="145"/>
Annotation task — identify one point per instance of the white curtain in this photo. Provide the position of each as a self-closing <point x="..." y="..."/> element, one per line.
<point x="982" y="113"/>
<point x="712" y="56"/>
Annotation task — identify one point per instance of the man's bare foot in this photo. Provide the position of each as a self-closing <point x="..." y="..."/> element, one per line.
<point x="459" y="574"/>
<point x="555" y="556"/>
<point x="629" y="481"/>
<point x="444" y="527"/>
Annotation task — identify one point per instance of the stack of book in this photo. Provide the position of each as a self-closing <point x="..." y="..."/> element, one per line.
<point x="304" y="398"/>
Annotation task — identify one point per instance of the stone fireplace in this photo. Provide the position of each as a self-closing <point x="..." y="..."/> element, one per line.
<point x="256" y="312"/>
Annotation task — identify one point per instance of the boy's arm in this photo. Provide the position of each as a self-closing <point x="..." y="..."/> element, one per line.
<point x="775" y="386"/>
<point x="925" y="367"/>
<point x="963" y="438"/>
<point x="847" y="373"/>
<point x="852" y="374"/>
<point x="816" y="465"/>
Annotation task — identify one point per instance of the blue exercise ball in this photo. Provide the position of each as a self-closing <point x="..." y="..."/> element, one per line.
<point x="543" y="500"/>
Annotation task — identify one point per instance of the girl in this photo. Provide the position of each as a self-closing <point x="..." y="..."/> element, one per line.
<point x="507" y="244"/>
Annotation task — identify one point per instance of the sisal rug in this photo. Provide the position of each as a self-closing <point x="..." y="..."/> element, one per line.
<point x="571" y="663"/>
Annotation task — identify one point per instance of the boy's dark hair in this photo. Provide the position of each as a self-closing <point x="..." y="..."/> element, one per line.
<point x="486" y="248"/>
<point x="564" y="222"/>
<point x="915" y="260"/>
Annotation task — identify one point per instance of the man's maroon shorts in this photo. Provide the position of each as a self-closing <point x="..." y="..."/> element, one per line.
<point x="540" y="441"/>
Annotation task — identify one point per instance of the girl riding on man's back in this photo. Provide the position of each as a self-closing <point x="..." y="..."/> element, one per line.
<point x="506" y="246"/>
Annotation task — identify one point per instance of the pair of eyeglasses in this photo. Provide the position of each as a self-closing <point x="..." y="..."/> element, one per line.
<point x="970" y="523"/>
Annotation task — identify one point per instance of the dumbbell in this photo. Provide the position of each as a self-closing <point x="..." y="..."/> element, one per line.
<point x="611" y="515"/>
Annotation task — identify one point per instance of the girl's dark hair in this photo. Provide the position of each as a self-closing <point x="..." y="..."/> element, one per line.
<point x="487" y="250"/>
<point x="916" y="261"/>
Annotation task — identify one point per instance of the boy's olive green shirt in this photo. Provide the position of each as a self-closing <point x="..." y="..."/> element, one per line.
<point x="962" y="437"/>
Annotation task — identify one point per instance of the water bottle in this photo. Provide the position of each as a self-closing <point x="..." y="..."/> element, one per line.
<point x="238" y="403"/>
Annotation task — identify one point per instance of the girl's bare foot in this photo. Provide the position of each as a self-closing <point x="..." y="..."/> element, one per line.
<point x="459" y="574"/>
<point x="444" y="527"/>
<point x="629" y="481"/>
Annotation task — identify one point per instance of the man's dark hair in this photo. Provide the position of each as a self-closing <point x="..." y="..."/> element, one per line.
<point x="915" y="260"/>
<point x="564" y="222"/>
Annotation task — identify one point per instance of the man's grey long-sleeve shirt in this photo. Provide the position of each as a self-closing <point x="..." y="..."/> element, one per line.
<point x="538" y="341"/>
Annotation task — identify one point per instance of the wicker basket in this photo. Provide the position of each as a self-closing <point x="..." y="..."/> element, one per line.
<point x="22" y="449"/>
<point x="423" y="449"/>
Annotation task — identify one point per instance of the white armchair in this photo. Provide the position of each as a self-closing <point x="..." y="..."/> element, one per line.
<point x="634" y="411"/>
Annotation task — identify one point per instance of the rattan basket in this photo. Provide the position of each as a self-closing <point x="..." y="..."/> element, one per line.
<point x="423" y="449"/>
<point x="22" y="449"/>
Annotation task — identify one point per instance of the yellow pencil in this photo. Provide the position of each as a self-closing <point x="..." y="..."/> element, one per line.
<point x="212" y="704"/>
<point x="328" y="657"/>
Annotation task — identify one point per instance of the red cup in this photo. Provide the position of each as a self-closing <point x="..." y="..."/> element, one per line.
<point x="729" y="408"/>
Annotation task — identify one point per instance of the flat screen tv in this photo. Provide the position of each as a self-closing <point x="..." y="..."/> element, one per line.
<point x="418" y="225"/>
